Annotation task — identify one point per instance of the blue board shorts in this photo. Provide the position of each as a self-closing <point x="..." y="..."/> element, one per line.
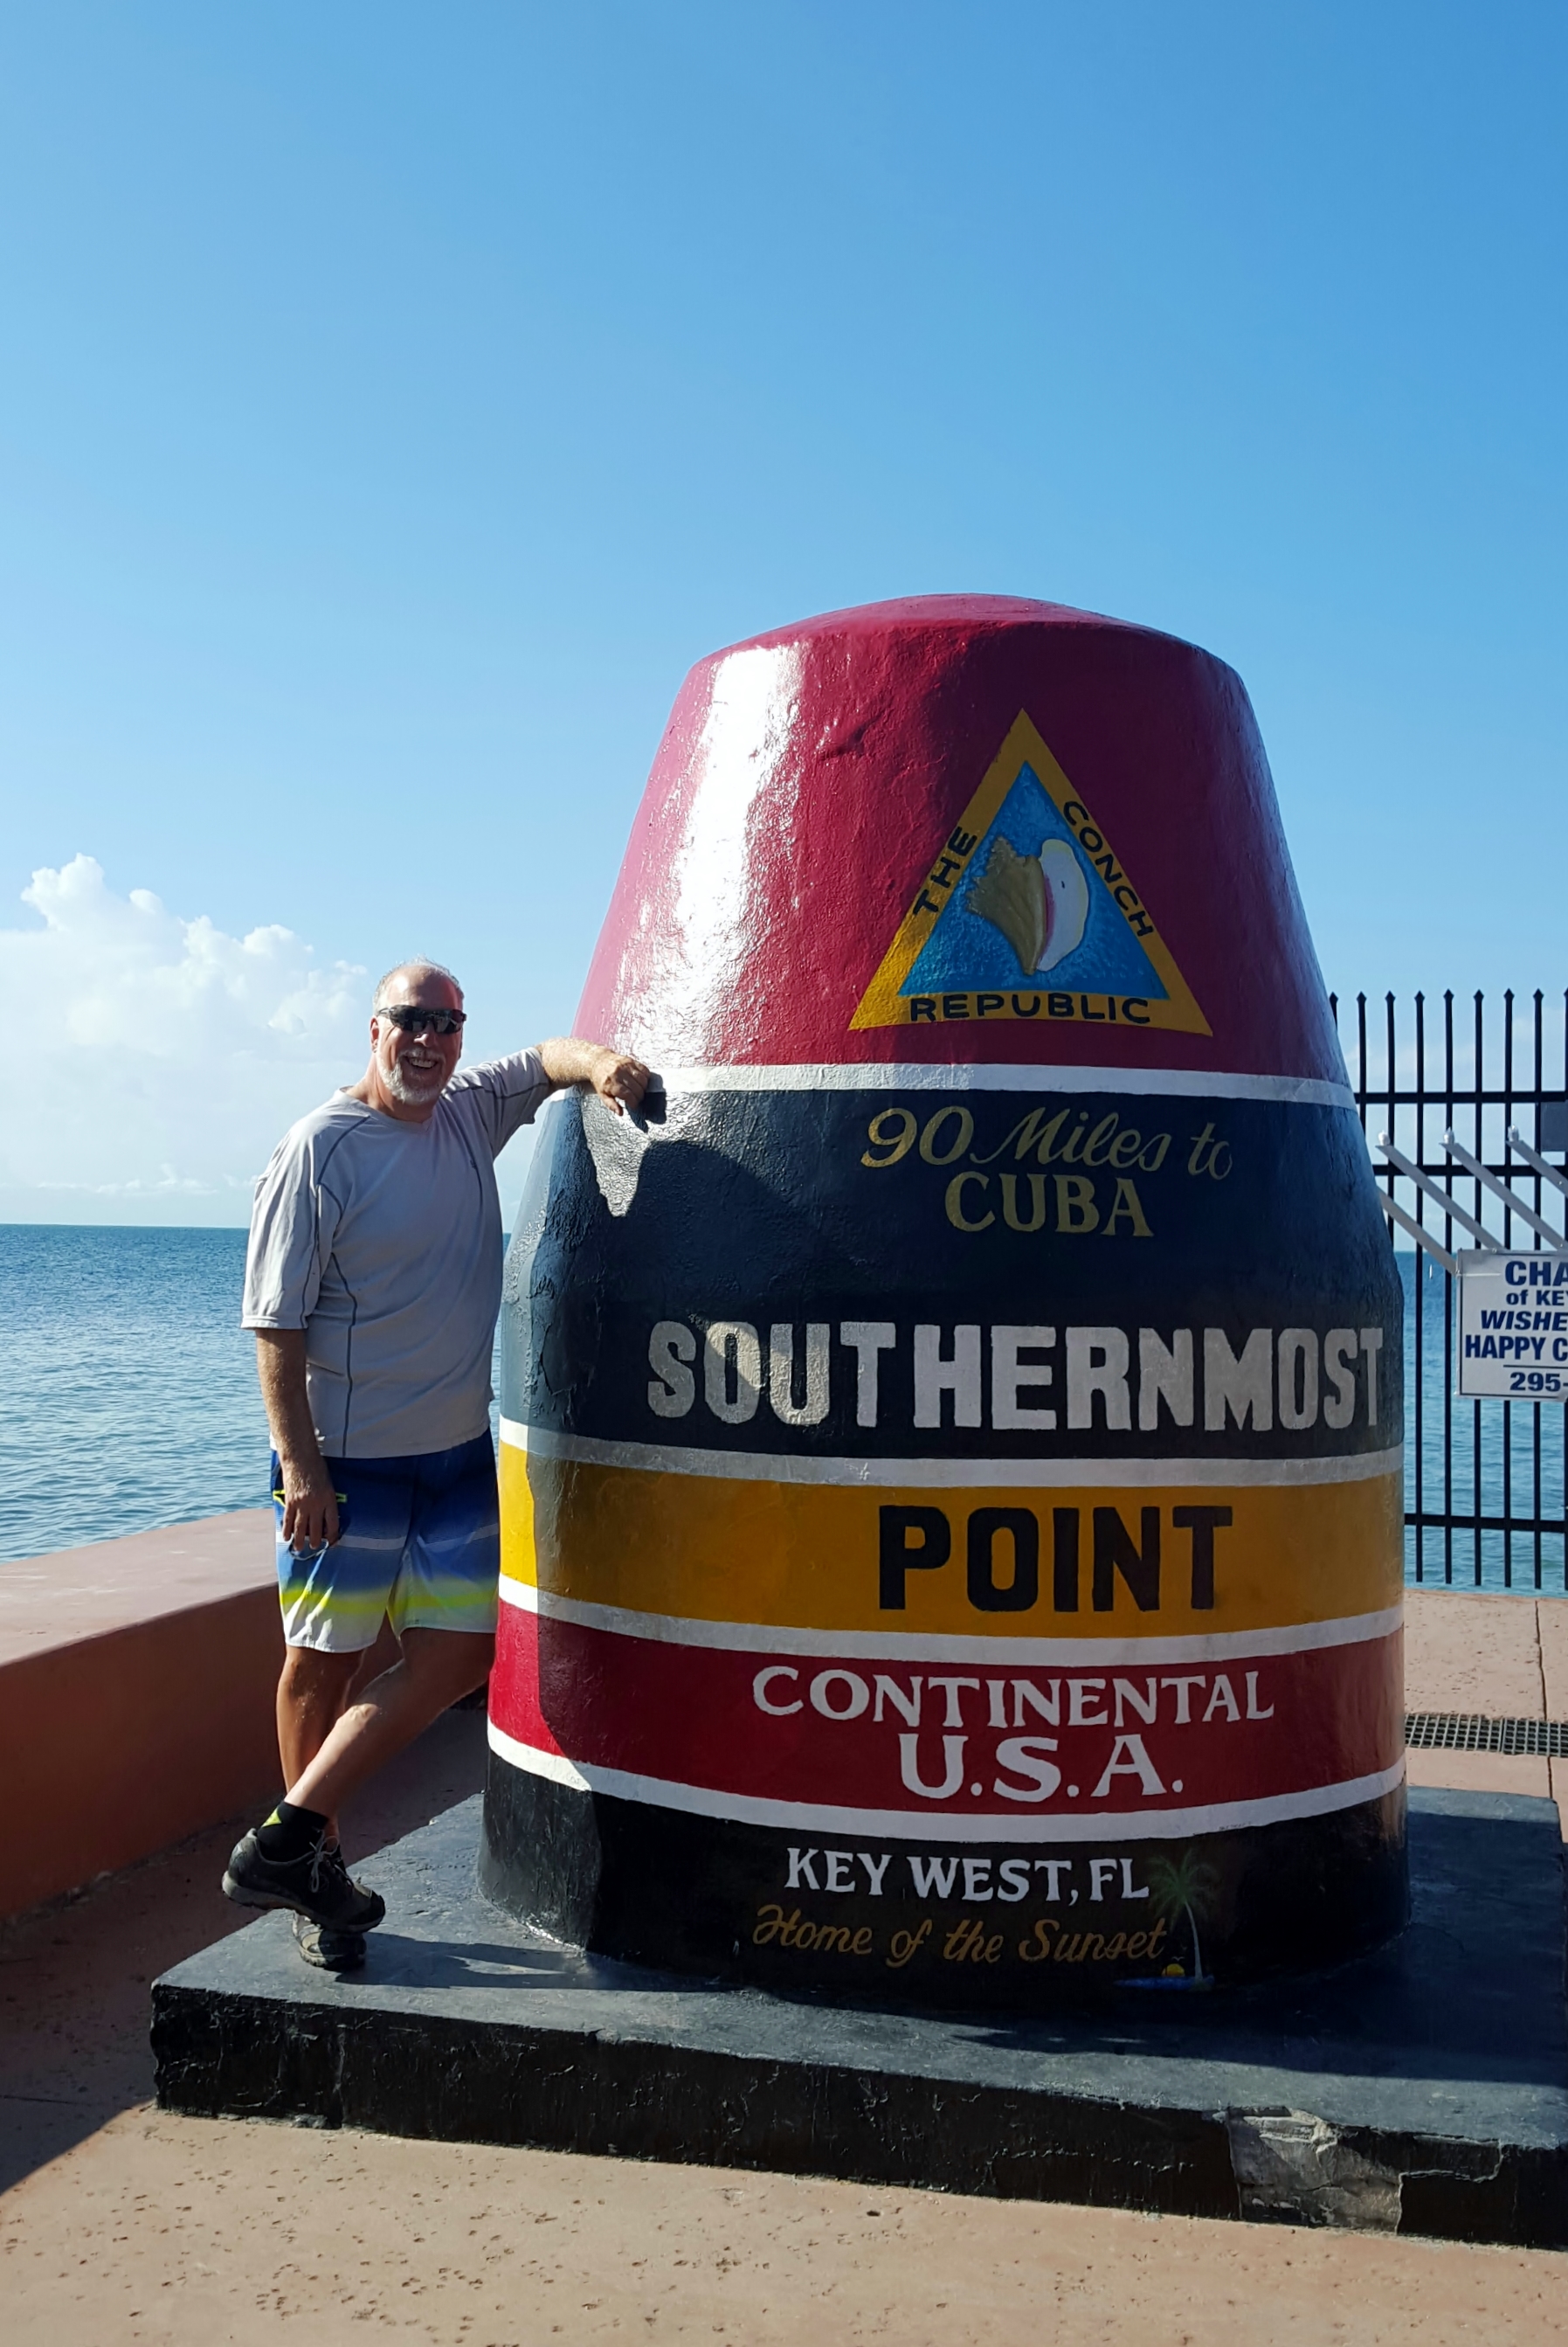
<point x="420" y="1545"/>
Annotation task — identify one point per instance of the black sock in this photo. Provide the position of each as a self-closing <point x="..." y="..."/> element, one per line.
<point x="289" y="1832"/>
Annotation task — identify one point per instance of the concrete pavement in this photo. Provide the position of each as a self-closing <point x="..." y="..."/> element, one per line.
<point x="124" y="2225"/>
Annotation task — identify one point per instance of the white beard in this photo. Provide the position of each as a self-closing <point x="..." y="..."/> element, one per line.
<point x="413" y="1091"/>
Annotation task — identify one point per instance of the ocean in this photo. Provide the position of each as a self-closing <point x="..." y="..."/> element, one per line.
<point x="127" y="1387"/>
<point x="128" y="1399"/>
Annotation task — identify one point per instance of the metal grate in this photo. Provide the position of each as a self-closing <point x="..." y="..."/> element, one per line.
<point x="1471" y="1731"/>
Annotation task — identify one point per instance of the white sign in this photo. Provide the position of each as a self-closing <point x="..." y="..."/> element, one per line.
<point x="1513" y="1326"/>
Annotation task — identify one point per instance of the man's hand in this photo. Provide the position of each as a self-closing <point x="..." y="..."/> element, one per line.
<point x="309" y="1502"/>
<point x="619" y="1080"/>
<point x="615" y="1076"/>
<point x="310" y="1506"/>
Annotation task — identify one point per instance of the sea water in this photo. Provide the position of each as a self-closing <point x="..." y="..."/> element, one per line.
<point x="128" y="1391"/>
<point x="1447" y="1432"/>
<point x="128" y="1399"/>
<point x="127" y="1387"/>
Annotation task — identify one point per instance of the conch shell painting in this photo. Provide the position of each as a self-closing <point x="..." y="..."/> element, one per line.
<point x="1040" y="902"/>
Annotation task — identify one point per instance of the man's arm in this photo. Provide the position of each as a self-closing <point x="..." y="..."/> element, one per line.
<point x="615" y="1077"/>
<point x="310" y="1503"/>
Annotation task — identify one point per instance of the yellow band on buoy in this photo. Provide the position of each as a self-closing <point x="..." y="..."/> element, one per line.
<point x="812" y="1555"/>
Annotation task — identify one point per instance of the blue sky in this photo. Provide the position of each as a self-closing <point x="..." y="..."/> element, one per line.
<point x="396" y="401"/>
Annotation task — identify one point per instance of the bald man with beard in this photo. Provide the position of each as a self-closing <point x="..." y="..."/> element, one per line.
<point x="373" y="1281"/>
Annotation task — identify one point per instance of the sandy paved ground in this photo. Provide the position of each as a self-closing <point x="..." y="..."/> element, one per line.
<point x="75" y="1977"/>
<point x="1504" y="1657"/>
<point x="122" y="2225"/>
<point x="204" y="2233"/>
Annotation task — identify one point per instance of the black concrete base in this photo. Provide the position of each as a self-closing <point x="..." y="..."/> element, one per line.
<point x="1422" y="2090"/>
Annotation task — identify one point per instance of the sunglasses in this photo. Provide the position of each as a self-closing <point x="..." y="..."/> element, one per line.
<point x="411" y="1021"/>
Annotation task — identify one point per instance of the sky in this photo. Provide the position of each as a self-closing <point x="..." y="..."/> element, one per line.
<point x="395" y="402"/>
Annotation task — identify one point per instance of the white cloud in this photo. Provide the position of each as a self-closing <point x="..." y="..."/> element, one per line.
<point x="154" y="1062"/>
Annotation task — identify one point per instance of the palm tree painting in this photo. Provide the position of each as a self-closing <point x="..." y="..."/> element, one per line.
<point x="1185" y="1886"/>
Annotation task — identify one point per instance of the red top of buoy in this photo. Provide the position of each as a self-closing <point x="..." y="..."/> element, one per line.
<point x="961" y="828"/>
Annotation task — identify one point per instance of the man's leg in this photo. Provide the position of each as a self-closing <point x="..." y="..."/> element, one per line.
<point x="312" y="1693"/>
<point x="437" y="1668"/>
<point x="442" y="1607"/>
<point x="334" y="1603"/>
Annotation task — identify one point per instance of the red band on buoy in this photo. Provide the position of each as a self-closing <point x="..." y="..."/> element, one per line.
<point x="1009" y="1749"/>
<point x="812" y="784"/>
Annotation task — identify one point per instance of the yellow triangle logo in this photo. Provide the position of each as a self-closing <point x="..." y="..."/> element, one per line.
<point x="1027" y="912"/>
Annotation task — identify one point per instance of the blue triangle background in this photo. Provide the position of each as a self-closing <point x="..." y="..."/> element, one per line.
<point x="964" y="954"/>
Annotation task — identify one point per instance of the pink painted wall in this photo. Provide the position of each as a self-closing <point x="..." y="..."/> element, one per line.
<point x="137" y="1682"/>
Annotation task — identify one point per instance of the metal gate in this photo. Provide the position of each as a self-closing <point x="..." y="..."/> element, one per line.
<point x="1459" y="1100"/>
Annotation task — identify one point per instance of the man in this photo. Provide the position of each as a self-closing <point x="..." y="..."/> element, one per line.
<point x="372" y="1282"/>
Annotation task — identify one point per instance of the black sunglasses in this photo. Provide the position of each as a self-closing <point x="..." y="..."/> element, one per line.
<point x="415" y="1021"/>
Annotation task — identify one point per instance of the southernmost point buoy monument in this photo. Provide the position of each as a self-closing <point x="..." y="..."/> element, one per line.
<point x="952" y="1518"/>
<point x="951" y="1485"/>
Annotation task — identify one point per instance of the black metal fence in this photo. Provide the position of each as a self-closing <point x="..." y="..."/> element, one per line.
<point x="1485" y="1481"/>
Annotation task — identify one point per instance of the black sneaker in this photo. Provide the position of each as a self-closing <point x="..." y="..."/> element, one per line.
<point x="316" y="1885"/>
<point x="330" y="1952"/>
